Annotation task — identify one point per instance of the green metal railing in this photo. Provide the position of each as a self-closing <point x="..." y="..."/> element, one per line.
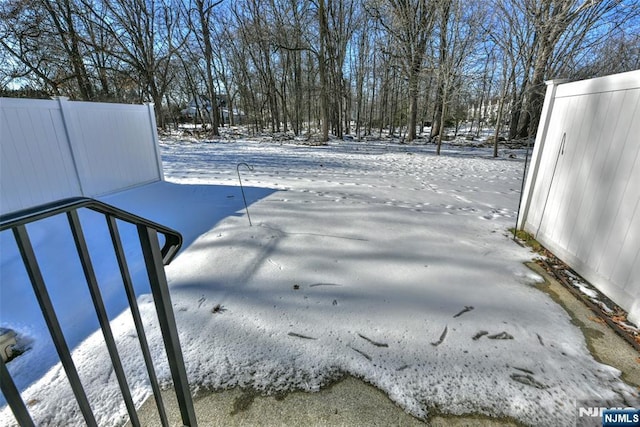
<point x="155" y="257"/>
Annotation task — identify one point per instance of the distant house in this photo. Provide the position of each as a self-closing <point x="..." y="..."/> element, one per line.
<point x="203" y="105"/>
<point x="487" y="111"/>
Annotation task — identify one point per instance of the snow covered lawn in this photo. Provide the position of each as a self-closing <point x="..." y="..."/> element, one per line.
<point x="378" y="260"/>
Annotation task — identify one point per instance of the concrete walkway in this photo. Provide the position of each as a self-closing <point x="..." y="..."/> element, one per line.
<point x="352" y="402"/>
<point x="349" y="402"/>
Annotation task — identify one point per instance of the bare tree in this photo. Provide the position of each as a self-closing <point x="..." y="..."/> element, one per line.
<point x="556" y="32"/>
<point x="42" y="39"/>
<point x="200" y="21"/>
<point x="322" y="67"/>
<point x="410" y="24"/>
<point x="618" y="53"/>
<point x="63" y="17"/>
<point x="291" y="37"/>
<point x="458" y="29"/>
<point x="321" y="63"/>
<point x="362" y="66"/>
<point x="147" y="38"/>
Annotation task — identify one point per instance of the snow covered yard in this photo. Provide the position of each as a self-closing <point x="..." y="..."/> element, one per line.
<point x="378" y="260"/>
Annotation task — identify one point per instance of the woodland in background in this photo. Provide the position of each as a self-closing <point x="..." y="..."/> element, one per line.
<point x="319" y="67"/>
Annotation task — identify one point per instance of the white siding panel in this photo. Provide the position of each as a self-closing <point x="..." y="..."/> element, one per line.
<point x="623" y="208"/>
<point x="53" y="149"/>
<point x="116" y="152"/>
<point x="615" y="174"/>
<point x="628" y="251"/>
<point x="37" y="165"/>
<point x="632" y="287"/>
<point x="547" y="165"/>
<point x="611" y="148"/>
<point x="627" y="228"/>
<point x="622" y="81"/>
<point x="584" y="204"/>
<point x="585" y="188"/>
<point x="558" y="213"/>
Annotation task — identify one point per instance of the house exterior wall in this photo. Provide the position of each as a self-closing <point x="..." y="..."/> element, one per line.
<point x="582" y="193"/>
<point x="52" y="149"/>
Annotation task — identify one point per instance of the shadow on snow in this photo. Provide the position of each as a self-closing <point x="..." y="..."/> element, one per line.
<point x="192" y="210"/>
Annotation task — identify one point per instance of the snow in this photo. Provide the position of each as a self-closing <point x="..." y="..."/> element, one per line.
<point x="378" y="260"/>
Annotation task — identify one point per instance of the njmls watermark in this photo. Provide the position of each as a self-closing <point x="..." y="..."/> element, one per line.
<point x="606" y="414"/>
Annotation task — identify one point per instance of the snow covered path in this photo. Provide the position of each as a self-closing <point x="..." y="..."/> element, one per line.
<point x="382" y="261"/>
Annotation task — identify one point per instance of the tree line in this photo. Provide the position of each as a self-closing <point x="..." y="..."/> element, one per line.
<point x="321" y="67"/>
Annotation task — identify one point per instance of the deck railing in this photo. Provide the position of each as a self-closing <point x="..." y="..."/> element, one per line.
<point x="155" y="257"/>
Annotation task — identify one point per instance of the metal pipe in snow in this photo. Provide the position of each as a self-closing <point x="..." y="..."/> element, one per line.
<point x="244" y="199"/>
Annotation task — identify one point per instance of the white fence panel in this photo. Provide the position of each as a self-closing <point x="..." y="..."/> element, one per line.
<point x="114" y="145"/>
<point x="36" y="161"/>
<point x="51" y="149"/>
<point x="582" y="196"/>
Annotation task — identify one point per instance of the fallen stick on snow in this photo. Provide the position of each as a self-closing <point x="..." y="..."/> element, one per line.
<point x="466" y="308"/>
<point x="442" y="337"/>
<point x="377" y="344"/>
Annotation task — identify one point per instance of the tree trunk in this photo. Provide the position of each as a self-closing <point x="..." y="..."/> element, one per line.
<point x="437" y="113"/>
<point x="205" y="16"/>
<point x="442" y="121"/>
<point x="71" y="43"/>
<point x="499" y="121"/>
<point x="414" y="75"/>
<point x="324" y="107"/>
<point x="441" y="98"/>
<point x="528" y="125"/>
<point x="373" y="95"/>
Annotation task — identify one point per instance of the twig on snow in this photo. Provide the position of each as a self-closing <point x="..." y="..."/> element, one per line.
<point x="442" y="337"/>
<point x="466" y="308"/>
<point x="479" y="335"/>
<point x="362" y="353"/>
<point x="501" y="336"/>
<point x="377" y="344"/>
<point x="293" y="334"/>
